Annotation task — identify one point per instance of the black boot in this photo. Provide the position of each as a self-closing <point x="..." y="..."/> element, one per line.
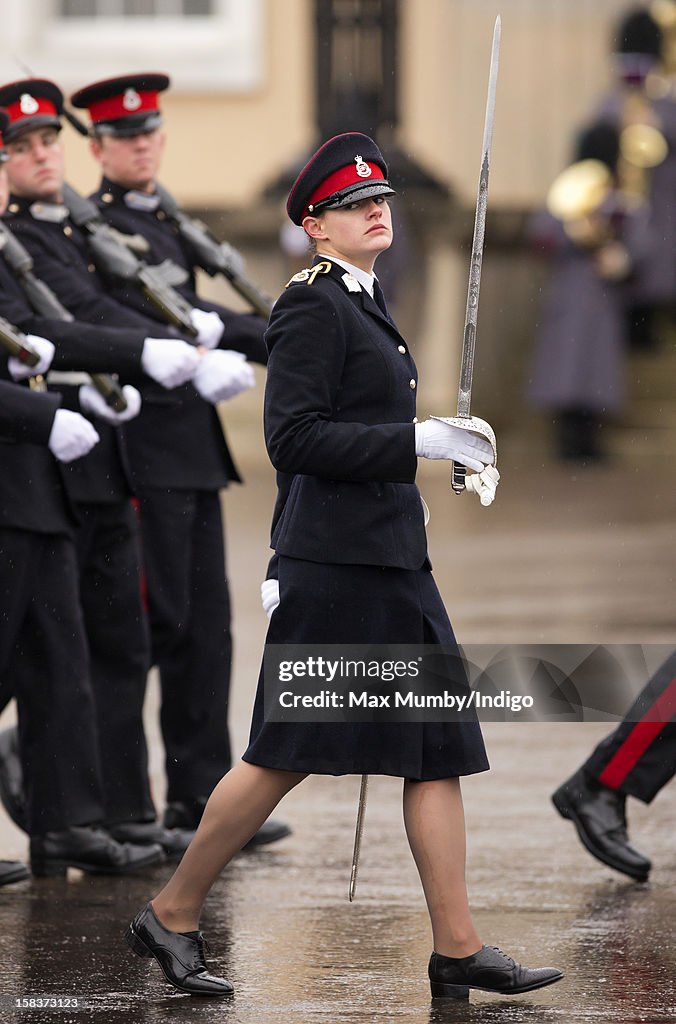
<point x="489" y="970"/>
<point x="90" y="849"/>
<point x="179" y="954"/>
<point x="599" y="816"/>
<point x="174" y="841"/>
<point x="12" y="871"/>
<point x="186" y="814"/>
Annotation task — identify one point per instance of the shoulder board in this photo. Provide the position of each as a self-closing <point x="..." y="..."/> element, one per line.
<point x="310" y="273"/>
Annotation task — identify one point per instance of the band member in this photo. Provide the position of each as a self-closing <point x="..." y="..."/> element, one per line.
<point x="637" y="759"/>
<point x="352" y="568"/>
<point x="177" y="460"/>
<point x="578" y="372"/>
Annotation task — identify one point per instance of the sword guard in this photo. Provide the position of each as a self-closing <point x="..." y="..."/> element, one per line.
<point x="478" y="426"/>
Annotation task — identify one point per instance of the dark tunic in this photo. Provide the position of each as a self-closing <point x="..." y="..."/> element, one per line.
<point x="348" y="526"/>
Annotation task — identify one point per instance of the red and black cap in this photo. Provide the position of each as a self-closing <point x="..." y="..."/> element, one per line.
<point x="123" y="106"/>
<point x="345" y="169"/>
<point x="30" y="103"/>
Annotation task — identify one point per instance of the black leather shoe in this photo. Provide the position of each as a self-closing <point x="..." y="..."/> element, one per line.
<point x="11" y="777"/>
<point x="598" y="814"/>
<point x="12" y="871"/>
<point x="89" y="849"/>
<point x="174" y="841"/>
<point x="179" y="954"/>
<point x="489" y="970"/>
<point x="186" y="814"/>
<point x="270" y="832"/>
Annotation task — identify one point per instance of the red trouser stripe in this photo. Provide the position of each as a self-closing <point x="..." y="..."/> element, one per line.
<point x="639" y="739"/>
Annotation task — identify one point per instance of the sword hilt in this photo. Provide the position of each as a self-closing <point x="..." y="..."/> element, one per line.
<point x="458" y="477"/>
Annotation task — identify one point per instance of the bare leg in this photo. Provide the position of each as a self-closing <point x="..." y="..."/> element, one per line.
<point x="236" y="809"/>
<point x="435" y="826"/>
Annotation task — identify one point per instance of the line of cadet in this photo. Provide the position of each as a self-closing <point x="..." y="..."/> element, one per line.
<point x="610" y="235"/>
<point x="76" y="636"/>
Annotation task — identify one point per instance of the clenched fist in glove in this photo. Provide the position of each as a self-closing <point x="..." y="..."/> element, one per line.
<point x="169" y="361"/>
<point x="435" y="439"/>
<point x="71" y="436"/>
<point x="484" y="484"/>
<point x="43" y="348"/>
<point x="222" y="374"/>
<point x="208" y="325"/>
<point x="93" y="402"/>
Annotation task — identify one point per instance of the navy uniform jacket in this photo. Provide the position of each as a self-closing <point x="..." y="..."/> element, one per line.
<point x="32" y="495"/>
<point x="176" y="441"/>
<point x="102" y="475"/>
<point x="339" y="409"/>
<point x="243" y="331"/>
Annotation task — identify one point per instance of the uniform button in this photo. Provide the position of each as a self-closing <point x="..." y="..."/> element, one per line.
<point x="107" y="197"/>
<point x="161" y="215"/>
<point x="91" y="267"/>
<point x="412" y="384"/>
<point x="402" y="349"/>
<point x="13" y="208"/>
<point x="68" y="231"/>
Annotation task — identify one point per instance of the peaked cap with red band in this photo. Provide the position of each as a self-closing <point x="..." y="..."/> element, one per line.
<point x="344" y="170"/>
<point x="123" y="106"/>
<point x="30" y="103"/>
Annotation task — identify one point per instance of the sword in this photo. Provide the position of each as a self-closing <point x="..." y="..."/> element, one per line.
<point x="361" y="811"/>
<point x="464" y="418"/>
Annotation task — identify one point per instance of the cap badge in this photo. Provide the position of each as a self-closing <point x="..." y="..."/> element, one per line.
<point x="28" y="104"/>
<point x="363" y="169"/>
<point x="131" y="100"/>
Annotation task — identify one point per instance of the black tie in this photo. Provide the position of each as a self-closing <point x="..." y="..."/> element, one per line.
<point x="379" y="297"/>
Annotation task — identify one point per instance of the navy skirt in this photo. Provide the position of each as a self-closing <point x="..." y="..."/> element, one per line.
<point x="362" y="604"/>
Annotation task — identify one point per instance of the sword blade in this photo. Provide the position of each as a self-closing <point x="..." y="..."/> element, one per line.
<point x="476" y="261"/>
<point x="361" y="812"/>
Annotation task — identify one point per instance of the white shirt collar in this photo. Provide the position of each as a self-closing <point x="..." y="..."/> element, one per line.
<point x="365" y="280"/>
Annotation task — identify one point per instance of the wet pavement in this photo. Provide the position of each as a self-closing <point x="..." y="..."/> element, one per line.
<point x="564" y="555"/>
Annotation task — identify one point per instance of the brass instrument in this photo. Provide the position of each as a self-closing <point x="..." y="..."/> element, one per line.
<point x="575" y="197"/>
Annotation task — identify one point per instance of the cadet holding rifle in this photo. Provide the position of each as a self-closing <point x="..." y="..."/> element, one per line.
<point x="98" y="485"/>
<point x="177" y="456"/>
<point x="128" y="143"/>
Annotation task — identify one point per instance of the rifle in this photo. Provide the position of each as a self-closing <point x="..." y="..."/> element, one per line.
<point x="116" y="260"/>
<point x="44" y="302"/>
<point x="213" y="256"/>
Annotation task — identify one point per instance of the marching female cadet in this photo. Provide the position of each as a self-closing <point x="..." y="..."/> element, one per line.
<point x="351" y="561"/>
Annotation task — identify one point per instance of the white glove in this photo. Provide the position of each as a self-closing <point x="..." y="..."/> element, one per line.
<point x="44" y="348"/>
<point x="484" y="484"/>
<point x="222" y="374"/>
<point x="169" y="361"/>
<point x="92" y="401"/>
<point x="437" y="440"/>
<point x="269" y="596"/>
<point x="208" y="325"/>
<point x="71" y="436"/>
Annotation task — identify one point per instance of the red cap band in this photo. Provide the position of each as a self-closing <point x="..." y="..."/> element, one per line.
<point x="342" y="179"/>
<point x="39" y="105"/>
<point x="127" y="103"/>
